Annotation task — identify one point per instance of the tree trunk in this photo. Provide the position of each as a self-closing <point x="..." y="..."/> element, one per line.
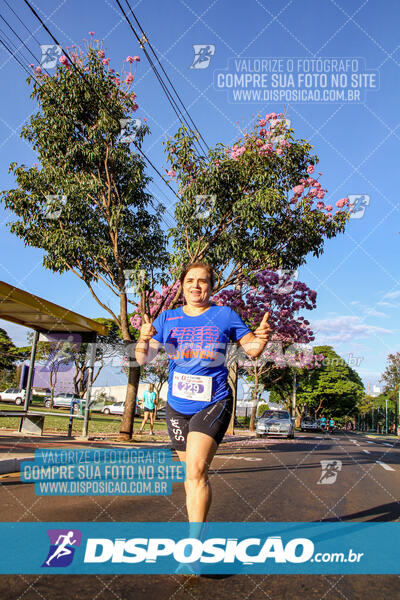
<point x="128" y="418"/>
<point x="255" y="401"/>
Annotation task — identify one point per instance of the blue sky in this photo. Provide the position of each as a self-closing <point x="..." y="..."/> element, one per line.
<point x="357" y="142"/>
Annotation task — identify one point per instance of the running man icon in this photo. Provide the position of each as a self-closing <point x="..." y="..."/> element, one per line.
<point x="61" y="551"/>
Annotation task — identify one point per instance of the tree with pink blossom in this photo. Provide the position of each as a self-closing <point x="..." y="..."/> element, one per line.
<point x="290" y="342"/>
<point x="249" y="206"/>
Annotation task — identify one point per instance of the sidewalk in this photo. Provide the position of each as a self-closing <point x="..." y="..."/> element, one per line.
<point x="16" y="447"/>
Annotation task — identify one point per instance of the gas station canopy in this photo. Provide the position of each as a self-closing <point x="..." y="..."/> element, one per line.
<point x="31" y="311"/>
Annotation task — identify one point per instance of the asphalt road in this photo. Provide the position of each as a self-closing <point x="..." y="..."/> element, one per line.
<point x="259" y="480"/>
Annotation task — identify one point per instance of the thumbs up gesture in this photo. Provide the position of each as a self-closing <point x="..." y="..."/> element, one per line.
<point x="147" y="330"/>
<point x="264" y="330"/>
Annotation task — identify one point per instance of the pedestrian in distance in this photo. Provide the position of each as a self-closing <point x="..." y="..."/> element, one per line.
<point x="149" y="408"/>
<point x="199" y="403"/>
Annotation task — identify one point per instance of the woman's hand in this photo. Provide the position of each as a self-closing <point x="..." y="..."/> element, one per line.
<point x="263" y="331"/>
<point x="147" y="330"/>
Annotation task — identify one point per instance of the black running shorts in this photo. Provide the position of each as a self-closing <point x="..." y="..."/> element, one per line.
<point x="212" y="420"/>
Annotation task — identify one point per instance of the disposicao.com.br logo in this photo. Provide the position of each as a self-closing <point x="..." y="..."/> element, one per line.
<point x="219" y="547"/>
<point x="247" y="551"/>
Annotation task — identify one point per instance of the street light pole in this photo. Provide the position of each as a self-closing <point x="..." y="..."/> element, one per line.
<point x="386" y="417"/>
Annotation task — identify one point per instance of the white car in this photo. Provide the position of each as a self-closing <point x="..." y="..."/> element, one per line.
<point x="14" y="395"/>
<point x="118" y="409"/>
<point x="275" y="422"/>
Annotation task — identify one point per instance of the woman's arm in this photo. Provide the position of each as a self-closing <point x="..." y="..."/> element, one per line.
<point x="146" y="351"/>
<point x="147" y="347"/>
<point x="254" y="343"/>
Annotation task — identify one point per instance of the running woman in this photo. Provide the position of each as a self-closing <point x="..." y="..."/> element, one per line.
<point x="149" y="407"/>
<point x="199" y="402"/>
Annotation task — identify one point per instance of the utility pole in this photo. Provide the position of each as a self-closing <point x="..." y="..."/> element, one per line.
<point x="294" y="394"/>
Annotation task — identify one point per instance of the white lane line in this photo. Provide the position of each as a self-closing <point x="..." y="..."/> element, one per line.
<point x="385" y="444"/>
<point x="367" y="451"/>
<point x="370" y="442"/>
<point x="384" y="465"/>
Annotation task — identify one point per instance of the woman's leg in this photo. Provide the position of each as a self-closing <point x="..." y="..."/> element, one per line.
<point x="146" y="416"/>
<point x="200" y="450"/>
<point x="152" y="421"/>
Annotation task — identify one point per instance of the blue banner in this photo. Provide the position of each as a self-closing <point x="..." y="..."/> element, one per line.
<point x="103" y="472"/>
<point x="211" y="548"/>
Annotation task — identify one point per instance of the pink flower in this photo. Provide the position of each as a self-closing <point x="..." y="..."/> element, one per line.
<point x="136" y="58"/>
<point x="342" y="202"/>
<point x="262" y="122"/>
<point x="63" y="60"/>
<point x="328" y="215"/>
<point x="31" y="66"/>
<point x="129" y="59"/>
<point x="38" y="70"/>
<point x="129" y="78"/>
<point x="320" y="205"/>
<point x="298" y="189"/>
<point x="171" y="173"/>
<point x="133" y="95"/>
<point x="270" y="116"/>
<point x="321" y="194"/>
<point x="101" y="53"/>
<point x="279" y="151"/>
<point x="262" y="132"/>
<point x="135" y="106"/>
<point x="106" y="61"/>
<point x="313" y="192"/>
<point x="116" y="81"/>
<point x="310" y="169"/>
<point x="91" y="32"/>
<point x="328" y="207"/>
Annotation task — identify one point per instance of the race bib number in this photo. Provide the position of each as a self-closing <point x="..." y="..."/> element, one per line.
<point x="192" y="387"/>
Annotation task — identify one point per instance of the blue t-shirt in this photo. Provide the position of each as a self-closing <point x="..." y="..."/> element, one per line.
<point x="149" y="398"/>
<point x="197" y="346"/>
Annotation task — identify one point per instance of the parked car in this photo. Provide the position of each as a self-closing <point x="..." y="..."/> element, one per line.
<point x="15" y="395"/>
<point x="41" y="391"/>
<point x="118" y="409"/>
<point x="63" y="401"/>
<point x="275" y="422"/>
<point x="309" y="424"/>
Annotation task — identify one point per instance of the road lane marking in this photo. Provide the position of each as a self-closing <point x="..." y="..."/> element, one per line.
<point x="237" y="457"/>
<point x="367" y="451"/>
<point x="385" y="466"/>
<point x="385" y="444"/>
<point x="368" y="442"/>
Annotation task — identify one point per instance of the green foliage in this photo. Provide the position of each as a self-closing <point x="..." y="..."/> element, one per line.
<point x="251" y="225"/>
<point x="391" y="375"/>
<point x="261" y="408"/>
<point x="334" y="389"/>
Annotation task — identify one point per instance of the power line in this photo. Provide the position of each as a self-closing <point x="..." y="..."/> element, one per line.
<point x="20" y="39"/>
<point x="165" y="73"/>
<point x="15" y="58"/>
<point x="22" y="23"/>
<point x="142" y="41"/>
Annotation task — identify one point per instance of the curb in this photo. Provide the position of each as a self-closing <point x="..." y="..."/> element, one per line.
<point x="12" y="465"/>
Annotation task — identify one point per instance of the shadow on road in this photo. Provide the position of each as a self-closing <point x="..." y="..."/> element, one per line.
<point x="383" y="512"/>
